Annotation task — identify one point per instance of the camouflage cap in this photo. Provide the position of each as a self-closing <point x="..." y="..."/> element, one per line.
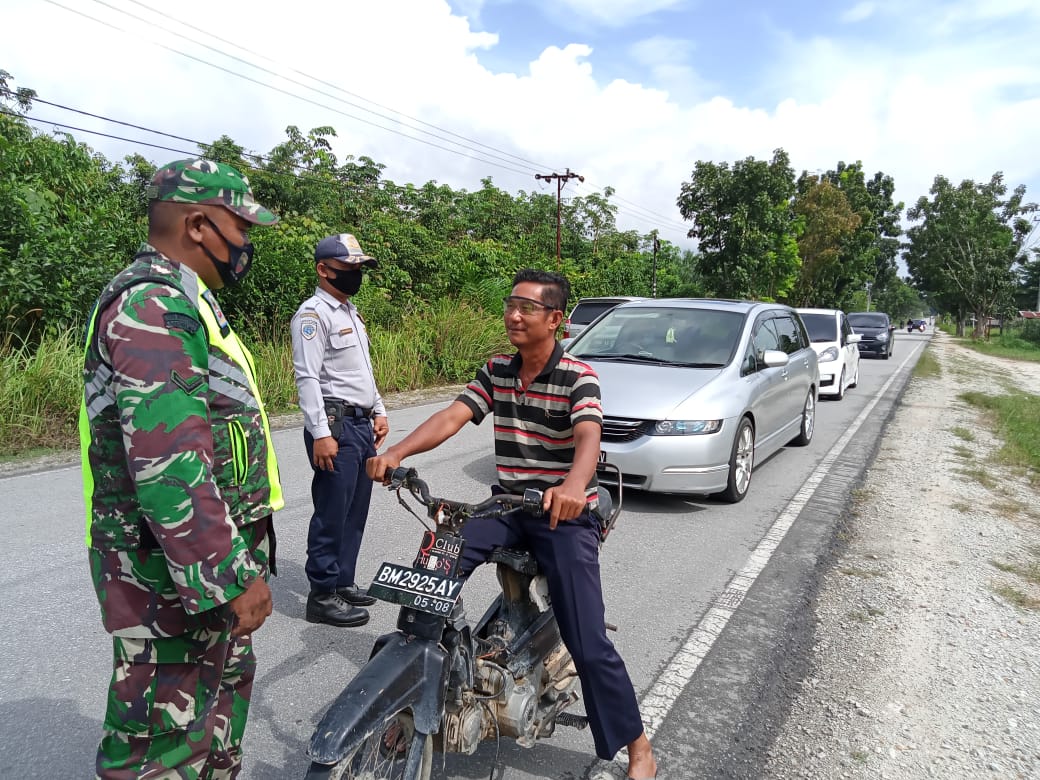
<point x="345" y="248"/>
<point x="210" y="183"/>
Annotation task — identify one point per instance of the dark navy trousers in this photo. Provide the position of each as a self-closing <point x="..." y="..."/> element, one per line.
<point x="569" y="559"/>
<point x="341" y="498"/>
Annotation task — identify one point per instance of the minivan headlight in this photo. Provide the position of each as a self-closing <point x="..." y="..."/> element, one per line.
<point x="882" y="336"/>
<point x="829" y="354"/>
<point x="686" y="427"/>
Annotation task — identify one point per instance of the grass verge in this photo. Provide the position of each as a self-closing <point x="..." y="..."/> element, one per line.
<point x="41" y="382"/>
<point x="1017" y="418"/>
<point x="927" y="366"/>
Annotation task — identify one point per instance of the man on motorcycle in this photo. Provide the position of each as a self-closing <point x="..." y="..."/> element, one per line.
<point x="547" y="422"/>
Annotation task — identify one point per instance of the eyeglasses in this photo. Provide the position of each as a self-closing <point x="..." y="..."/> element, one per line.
<point x="525" y="306"/>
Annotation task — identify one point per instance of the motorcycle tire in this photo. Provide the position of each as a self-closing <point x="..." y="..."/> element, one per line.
<point x="409" y="758"/>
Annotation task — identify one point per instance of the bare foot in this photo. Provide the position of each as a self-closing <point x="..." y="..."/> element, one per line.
<point x="641" y="763"/>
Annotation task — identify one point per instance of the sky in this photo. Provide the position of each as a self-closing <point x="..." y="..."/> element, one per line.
<point x="628" y="93"/>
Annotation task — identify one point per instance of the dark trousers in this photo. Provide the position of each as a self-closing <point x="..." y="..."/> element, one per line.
<point x="341" y="498"/>
<point x="569" y="559"/>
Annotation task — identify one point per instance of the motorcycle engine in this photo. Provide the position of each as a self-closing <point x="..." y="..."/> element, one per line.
<point x="460" y="730"/>
<point x="513" y="702"/>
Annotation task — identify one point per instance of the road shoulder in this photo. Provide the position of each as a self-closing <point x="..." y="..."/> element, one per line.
<point x="920" y="668"/>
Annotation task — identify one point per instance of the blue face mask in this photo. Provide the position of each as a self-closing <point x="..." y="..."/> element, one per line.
<point x="240" y="259"/>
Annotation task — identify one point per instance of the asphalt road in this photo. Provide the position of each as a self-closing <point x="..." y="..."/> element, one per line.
<point x="709" y="599"/>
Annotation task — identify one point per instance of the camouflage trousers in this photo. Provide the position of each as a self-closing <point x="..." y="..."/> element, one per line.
<point x="177" y="707"/>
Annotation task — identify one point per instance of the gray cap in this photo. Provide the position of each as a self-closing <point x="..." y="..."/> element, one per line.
<point x="345" y="248"/>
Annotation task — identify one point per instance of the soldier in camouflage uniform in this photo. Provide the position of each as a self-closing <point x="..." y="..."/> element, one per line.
<point x="180" y="482"/>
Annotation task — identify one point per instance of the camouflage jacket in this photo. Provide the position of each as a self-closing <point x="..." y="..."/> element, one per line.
<point x="178" y="468"/>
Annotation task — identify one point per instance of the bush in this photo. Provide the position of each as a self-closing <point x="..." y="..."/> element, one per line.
<point x="1031" y="331"/>
<point x="40" y="389"/>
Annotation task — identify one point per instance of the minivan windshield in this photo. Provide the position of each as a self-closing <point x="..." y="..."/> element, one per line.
<point x="701" y="338"/>
<point x="821" y="327"/>
<point x="867" y="320"/>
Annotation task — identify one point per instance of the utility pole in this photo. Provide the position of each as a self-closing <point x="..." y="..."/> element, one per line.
<point x="657" y="245"/>
<point x="561" y="179"/>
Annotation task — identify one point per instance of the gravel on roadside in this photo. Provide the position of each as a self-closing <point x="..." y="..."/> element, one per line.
<point x="921" y="666"/>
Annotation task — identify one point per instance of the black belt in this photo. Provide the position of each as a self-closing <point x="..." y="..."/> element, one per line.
<point x="341" y="409"/>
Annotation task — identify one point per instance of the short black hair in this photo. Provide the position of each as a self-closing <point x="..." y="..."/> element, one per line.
<point x="557" y="288"/>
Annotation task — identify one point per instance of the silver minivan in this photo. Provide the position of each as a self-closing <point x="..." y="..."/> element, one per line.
<point x="696" y="392"/>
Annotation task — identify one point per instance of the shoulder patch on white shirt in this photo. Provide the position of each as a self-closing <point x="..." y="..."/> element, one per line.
<point x="309" y="327"/>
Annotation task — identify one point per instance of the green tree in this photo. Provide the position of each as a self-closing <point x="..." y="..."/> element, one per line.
<point x="967" y="245"/>
<point x="900" y="301"/>
<point x="744" y="225"/>
<point x="1027" y="296"/>
<point x="868" y="254"/>
<point x="67" y="222"/>
<point x="828" y="224"/>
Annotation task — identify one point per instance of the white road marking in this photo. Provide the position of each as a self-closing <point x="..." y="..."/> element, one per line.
<point x="659" y="700"/>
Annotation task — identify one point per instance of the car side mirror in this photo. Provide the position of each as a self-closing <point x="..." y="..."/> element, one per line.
<point x="855" y="338"/>
<point x="774" y="358"/>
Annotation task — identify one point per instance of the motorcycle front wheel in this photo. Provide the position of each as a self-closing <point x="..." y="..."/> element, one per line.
<point x="393" y="752"/>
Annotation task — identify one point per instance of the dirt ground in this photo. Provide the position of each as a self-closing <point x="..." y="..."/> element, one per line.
<point x="926" y="660"/>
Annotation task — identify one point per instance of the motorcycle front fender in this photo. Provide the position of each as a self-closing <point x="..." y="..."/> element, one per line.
<point x="403" y="674"/>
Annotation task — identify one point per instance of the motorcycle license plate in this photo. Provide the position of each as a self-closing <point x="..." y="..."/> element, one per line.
<point x="419" y="589"/>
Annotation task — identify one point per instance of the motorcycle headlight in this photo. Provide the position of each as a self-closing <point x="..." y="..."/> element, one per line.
<point x="829" y="354"/>
<point x="882" y="336"/>
<point x="686" y="427"/>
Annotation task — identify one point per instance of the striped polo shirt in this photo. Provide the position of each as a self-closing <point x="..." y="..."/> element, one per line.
<point x="534" y="426"/>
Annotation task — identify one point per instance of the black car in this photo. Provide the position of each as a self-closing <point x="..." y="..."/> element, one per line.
<point x="877" y="331"/>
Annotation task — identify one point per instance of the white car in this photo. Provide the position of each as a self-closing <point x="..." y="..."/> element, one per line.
<point x="835" y="346"/>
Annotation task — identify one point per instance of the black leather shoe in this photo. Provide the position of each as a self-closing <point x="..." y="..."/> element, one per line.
<point x="330" y="608"/>
<point x="354" y="595"/>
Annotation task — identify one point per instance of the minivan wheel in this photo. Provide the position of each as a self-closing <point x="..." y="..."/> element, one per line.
<point x="841" y="386"/>
<point x="808" y="421"/>
<point x="741" y="463"/>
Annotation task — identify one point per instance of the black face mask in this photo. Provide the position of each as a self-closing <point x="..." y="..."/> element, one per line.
<point x="347" y="282"/>
<point x="240" y="259"/>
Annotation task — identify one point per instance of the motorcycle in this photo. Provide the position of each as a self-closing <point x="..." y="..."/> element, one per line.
<point x="438" y="683"/>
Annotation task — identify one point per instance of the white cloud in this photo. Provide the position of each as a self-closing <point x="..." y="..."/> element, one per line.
<point x="859" y="12"/>
<point x="613" y="13"/>
<point x="954" y="107"/>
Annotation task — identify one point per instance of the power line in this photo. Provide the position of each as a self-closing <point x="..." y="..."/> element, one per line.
<point x="95" y="132"/>
<point x="633" y="209"/>
<point x="310" y="179"/>
<point x="561" y="179"/>
<point x="296" y="96"/>
<point x="324" y="82"/>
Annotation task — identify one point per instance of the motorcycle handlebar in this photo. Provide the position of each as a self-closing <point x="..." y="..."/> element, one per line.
<point x="408" y="478"/>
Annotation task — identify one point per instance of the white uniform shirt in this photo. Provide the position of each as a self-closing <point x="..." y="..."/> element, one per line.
<point x="331" y="359"/>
